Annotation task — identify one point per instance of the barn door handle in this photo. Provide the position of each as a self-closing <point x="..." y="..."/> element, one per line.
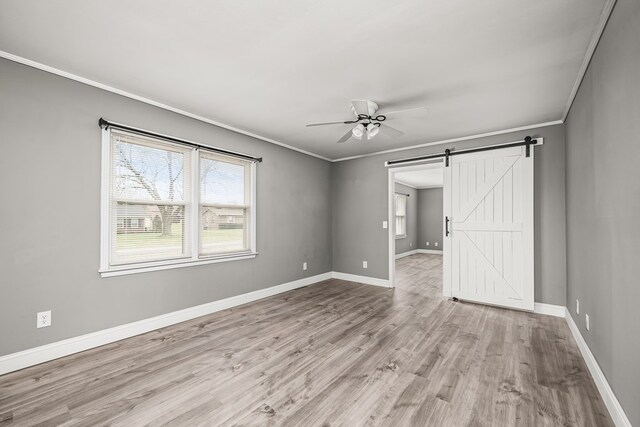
<point x="446" y="225"/>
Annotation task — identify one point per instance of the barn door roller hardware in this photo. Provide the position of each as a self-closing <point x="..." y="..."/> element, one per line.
<point x="527" y="142"/>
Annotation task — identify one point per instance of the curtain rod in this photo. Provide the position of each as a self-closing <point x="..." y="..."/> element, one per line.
<point x="528" y="142"/>
<point x="105" y="124"/>
<point x="404" y="194"/>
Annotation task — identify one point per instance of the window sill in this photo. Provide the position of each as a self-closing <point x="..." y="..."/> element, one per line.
<point x="166" y="265"/>
<point x="401" y="237"/>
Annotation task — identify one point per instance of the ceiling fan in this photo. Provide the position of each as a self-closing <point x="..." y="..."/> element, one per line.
<point x="367" y="121"/>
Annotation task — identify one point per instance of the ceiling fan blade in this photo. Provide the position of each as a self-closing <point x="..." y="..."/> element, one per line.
<point x="419" y="110"/>
<point x="388" y="130"/>
<point x="345" y="137"/>
<point x="342" y="122"/>
<point x="361" y="106"/>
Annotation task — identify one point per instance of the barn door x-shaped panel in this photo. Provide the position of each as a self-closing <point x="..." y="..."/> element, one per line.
<point x="489" y="204"/>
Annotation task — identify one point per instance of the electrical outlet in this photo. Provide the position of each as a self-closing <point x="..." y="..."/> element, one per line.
<point x="586" y="321"/>
<point x="304" y="265"/>
<point x="436" y="244"/>
<point x="577" y="306"/>
<point x="43" y="319"/>
<point x="385" y="224"/>
<point x="364" y="264"/>
<point x="410" y="244"/>
<point x="427" y="243"/>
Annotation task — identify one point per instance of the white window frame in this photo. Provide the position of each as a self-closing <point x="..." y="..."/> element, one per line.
<point x="108" y="270"/>
<point x="395" y="216"/>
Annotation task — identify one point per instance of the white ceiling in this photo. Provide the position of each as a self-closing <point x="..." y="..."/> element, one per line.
<point x="270" y="67"/>
<point x="425" y="178"/>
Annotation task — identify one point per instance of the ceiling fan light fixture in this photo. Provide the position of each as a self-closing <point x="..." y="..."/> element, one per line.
<point x="372" y="130"/>
<point x="358" y="131"/>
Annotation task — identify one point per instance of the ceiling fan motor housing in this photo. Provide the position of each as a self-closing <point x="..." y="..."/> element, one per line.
<point x="372" y="107"/>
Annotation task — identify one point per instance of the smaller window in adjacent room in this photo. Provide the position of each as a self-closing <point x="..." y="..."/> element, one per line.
<point x="169" y="204"/>
<point x="401" y="215"/>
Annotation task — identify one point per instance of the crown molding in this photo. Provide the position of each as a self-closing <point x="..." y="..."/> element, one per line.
<point x="591" y="49"/>
<point x="71" y="76"/>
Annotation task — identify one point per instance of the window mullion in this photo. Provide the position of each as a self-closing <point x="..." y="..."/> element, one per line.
<point x="195" y="204"/>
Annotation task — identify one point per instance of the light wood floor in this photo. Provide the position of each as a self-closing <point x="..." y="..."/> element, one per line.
<point x="335" y="353"/>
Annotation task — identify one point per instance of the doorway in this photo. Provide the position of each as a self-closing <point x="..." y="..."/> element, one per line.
<point x="488" y="253"/>
<point x="416" y="227"/>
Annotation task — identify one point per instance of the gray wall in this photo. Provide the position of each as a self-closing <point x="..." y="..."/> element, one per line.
<point x="430" y="217"/>
<point x="50" y="216"/>
<point x="603" y="205"/>
<point x="359" y="192"/>
<point x="408" y="243"/>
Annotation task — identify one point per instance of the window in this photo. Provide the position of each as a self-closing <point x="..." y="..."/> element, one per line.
<point x="401" y="216"/>
<point x="224" y="204"/>
<point x="166" y="204"/>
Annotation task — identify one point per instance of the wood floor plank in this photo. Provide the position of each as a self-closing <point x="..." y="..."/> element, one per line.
<point x="334" y="353"/>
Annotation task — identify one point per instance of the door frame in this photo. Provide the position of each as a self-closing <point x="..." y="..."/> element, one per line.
<point x="391" y="223"/>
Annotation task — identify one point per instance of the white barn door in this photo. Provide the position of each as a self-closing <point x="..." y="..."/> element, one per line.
<point x="488" y="252"/>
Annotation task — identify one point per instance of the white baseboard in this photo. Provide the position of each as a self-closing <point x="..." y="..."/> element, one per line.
<point x="615" y="409"/>
<point x="404" y="254"/>
<point x="37" y="355"/>
<point x="550" y="309"/>
<point x="361" y="279"/>
<point x="429" y="251"/>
